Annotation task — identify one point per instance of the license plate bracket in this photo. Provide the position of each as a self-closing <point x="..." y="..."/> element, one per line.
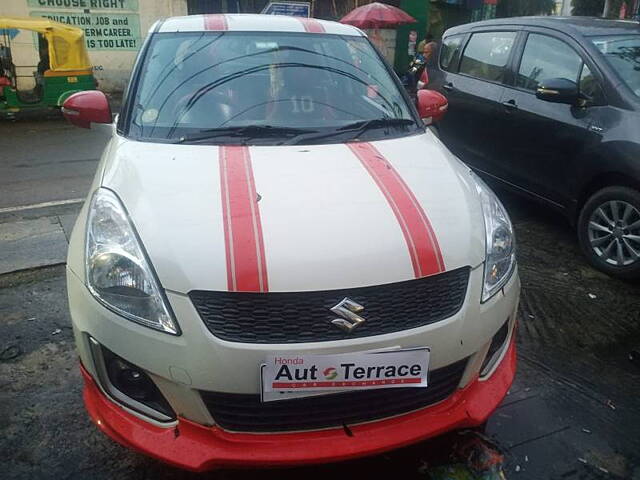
<point x="288" y="376"/>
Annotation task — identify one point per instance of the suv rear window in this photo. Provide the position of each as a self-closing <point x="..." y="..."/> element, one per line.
<point x="449" y="51"/>
<point x="487" y="54"/>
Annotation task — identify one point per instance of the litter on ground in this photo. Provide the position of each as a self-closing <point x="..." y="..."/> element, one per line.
<point x="473" y="457"/>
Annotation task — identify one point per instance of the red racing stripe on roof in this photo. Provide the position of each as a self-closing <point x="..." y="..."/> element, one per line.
<point x="244" y="244"/>
<point x="422" y="243"/>
<point x="215" y="22"/>
<point x="311" y="25"/>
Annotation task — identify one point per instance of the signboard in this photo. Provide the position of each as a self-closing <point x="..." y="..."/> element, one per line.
<point x="287" y="375"/>
<point x="85" y="4"/>
<point x="103" y="31"/>
<point x="293" y="9"/>
<point x="11" y="32"/>
<point x="413" y="39"/>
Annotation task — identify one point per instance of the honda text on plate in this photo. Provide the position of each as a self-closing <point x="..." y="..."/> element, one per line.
<point x="278" y="263"/>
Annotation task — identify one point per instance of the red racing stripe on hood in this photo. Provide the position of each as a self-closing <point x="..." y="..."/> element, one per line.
<point x="311" y="25"/>
<point x="215" y="22"/>
<point x="246" y="264"/>
<point x="424" y="250"/>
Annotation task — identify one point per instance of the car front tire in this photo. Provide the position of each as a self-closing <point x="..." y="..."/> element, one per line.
<point x="609" y="231"/>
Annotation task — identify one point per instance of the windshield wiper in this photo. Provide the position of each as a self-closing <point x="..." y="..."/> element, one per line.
<point x="249" y="131"/>
<point x="356" y="128"/>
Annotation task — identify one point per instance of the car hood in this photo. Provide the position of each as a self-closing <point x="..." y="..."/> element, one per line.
<point x="298" y="218"/>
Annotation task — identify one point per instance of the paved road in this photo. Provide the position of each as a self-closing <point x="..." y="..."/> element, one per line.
<point x="46" y="161"/>
<point x="573" y="413"/>
<point x="47" y="165"/>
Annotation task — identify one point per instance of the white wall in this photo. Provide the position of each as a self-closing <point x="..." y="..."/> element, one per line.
<point x="563" y="7"/>
<point x="112" y="48"/>
<point x="24" y="51"/>
<point x="385" y="40"/>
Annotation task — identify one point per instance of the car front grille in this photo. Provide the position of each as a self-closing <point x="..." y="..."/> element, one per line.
<point x="246" y="413"/>
<point x="297" y="317"/>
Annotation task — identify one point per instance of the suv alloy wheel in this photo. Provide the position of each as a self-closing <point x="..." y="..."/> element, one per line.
<point x="609" y="231"/>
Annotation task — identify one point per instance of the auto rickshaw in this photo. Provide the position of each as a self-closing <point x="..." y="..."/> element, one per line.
<point x="63" y="68"/>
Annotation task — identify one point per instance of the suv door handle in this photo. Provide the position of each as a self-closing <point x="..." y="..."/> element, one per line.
<point x="448" y="86"/>
<point x="510" y="105"/>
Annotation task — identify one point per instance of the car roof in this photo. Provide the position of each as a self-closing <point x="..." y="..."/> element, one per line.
<point x="574" y="26"/>
<point x="253" y="23"/>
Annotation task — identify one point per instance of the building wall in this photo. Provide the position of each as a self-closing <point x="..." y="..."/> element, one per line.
<point x="385" y="41"/>
<point x="24" y="51"/>
<point x="418" y="9"/>
<point x="114" y="29"/>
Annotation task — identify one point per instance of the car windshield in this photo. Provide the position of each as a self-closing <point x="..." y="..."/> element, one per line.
<point x="623" y="54"/>
<point x="252" y="87"/>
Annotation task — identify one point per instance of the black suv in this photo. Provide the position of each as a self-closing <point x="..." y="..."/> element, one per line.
<point x="550" y="107"/>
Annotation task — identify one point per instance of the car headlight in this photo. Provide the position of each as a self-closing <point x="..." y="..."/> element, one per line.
<point x="119" y="275"/>
<point x="500" y="258"/>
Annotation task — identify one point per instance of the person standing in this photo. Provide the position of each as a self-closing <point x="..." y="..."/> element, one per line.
<point x="5" y="61"/>
<point x="427" y="48"/>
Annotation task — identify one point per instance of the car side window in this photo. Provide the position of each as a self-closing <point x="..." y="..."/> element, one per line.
<point x="589" y="85"/>
<point x="449" y="51"/>
<point x="544" y="58"/>
<point x="487" y="54"/>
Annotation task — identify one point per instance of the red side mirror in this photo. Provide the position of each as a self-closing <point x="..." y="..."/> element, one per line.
<point x="431" y="106"/>
<point x="84" y="108"/>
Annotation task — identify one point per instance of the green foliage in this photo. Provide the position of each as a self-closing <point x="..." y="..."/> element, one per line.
<point x="518" y="8"/>
<point x="594" y="8"/>
<point x="588" y="8"/>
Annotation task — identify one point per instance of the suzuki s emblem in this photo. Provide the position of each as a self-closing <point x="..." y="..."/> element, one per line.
<point x="348" y="310"/>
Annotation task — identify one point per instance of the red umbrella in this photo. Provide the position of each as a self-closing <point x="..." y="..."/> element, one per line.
<point x="377" y="15"/>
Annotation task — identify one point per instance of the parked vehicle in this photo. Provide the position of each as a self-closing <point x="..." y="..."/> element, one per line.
<point x="63" y="68"/>
<point x="266" y="272"/>
<point x="550" y="108"/>
<point x="416" y="77"/>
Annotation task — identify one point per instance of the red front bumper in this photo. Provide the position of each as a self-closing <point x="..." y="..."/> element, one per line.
<point x="199" y="448"/>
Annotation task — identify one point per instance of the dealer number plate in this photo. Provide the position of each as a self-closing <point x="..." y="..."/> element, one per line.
<point x="285" y="376"/>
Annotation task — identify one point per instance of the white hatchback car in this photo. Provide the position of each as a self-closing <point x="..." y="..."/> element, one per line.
<point x="277" y="263"/>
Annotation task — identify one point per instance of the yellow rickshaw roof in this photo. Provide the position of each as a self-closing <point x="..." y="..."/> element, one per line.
<point x="67" y="50"/>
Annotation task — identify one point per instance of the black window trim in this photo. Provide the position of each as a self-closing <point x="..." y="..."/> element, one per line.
<point x="455" y="60"/>
<point x="413" y="107"/>
<point x="503" y="28"/>
<point x="124" y="124"/>
<point x="571" y="43"/>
